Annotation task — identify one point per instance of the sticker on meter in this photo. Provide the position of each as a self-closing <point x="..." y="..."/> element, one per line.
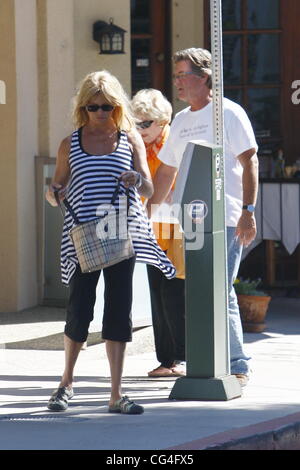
<point x="197" y="211"/>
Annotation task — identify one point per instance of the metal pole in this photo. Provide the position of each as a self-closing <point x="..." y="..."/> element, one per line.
<point x="201" y="179"/>
<point x="217" y="70"/>
<point x="218" y="110"/>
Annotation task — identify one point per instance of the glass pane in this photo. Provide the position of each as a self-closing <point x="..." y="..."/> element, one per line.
<point x="140" y="17"/>
<point x="54" y="291"/>
<point x="263" y="14"/>
<point x="231" y="14"/>
<point x="234" y="95"/>
<point x="232" y="61"/>
<point x="117" y="42"/>
<point x="106" y="45"/>
<point x="263" y="63"/>
<point x="264" y="111"/>
<point x="140" y="64"/>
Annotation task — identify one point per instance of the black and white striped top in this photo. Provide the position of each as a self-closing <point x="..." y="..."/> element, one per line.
<point x="93" y="181"/>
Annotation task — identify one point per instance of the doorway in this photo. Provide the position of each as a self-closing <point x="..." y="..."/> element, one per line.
<point x="150" y="46"/>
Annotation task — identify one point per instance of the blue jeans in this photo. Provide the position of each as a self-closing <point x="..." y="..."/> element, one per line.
<point x="239" y="361"/>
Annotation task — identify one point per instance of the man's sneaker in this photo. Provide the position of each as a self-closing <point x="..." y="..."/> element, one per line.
<point x="59" y="399"/>
<point x="243" y="379"/>
<point x="126" y="406"/>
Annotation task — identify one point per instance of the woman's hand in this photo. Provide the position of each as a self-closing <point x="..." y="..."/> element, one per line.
<point x="62" y="173"/>
<point x="131" y="178"/>
<point x="55" y="187"/>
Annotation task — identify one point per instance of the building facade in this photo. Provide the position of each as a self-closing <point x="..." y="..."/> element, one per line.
<point x="47" y="47"/>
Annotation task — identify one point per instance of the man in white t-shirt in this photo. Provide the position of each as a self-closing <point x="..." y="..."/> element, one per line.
<point x="192" y="79"/>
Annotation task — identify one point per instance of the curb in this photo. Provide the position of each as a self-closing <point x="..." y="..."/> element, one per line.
<point x="281" y="433"/>
<point x="285" y="438"/>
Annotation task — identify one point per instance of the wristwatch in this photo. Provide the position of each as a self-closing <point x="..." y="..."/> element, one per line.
<point x="249" y="207"/>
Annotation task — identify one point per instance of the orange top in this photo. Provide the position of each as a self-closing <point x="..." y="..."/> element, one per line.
<point x="153" y="150"/>
<point x="167" y="235"/>
<point x="162" y="230"/>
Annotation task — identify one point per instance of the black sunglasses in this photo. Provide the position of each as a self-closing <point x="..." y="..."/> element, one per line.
<point x="93" y="108"/>
<point x="144" y="124"/>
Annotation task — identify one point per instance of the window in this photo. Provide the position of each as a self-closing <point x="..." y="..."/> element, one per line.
<point x="252" y="75"/>
<point x="140" y="44"/>
<point x="150" y="45"/>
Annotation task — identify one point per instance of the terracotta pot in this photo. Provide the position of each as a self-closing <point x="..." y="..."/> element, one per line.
<point x="253" y="309"/>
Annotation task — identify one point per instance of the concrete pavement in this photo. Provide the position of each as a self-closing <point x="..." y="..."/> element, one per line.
<point x="267" y="416"/>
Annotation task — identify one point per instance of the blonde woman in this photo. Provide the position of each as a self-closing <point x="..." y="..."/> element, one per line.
<point x="104" y="147"/>
<point x="153" y="112"/>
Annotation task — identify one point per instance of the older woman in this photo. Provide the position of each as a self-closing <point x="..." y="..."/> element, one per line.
<point x="153" y="113"/>
<point x="104" y="147"/>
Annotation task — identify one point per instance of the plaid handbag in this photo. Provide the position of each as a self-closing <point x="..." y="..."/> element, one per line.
<point x="102" y="242"/>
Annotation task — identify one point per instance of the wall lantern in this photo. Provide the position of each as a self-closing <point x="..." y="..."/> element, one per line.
<point x="110" y="37"/>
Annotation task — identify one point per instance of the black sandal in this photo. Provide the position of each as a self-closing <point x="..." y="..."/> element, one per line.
<point x="126" y="406"/>
<point x="59" y="399"/>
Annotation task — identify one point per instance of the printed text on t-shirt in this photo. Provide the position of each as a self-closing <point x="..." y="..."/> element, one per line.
<point x="193" y="131"/>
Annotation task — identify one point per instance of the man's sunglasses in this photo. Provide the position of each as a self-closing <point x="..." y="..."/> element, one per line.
<point x="144" y="124"/>
<point x="93" y="108"/>
<point x="181" y="75"/>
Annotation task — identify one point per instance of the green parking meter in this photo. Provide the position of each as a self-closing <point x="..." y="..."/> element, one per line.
<point x="200" y="192"/>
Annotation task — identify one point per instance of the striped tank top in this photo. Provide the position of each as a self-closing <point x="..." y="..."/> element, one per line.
<point x="92" y="183"/>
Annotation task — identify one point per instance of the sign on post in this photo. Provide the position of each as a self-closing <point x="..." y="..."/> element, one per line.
<point x="200" y="191"/>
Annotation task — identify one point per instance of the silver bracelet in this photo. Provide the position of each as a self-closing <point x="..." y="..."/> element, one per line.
<point x="139" y="181"/>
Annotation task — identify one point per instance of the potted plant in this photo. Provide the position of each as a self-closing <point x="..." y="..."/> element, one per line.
<point x="253" y="304"/>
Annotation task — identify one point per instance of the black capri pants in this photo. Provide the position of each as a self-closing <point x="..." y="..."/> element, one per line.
<point x="117" y="322"/>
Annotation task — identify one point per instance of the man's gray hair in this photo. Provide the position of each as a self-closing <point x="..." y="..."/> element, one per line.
<point x="200" y="61"/>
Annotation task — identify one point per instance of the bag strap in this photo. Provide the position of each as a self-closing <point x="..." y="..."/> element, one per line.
<point x="71" y="211"/>
<point x="116" y="192"/>
<point x="115" y="195"/>
<point x="68" y="206"/>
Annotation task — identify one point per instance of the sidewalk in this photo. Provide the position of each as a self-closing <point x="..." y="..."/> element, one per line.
<point x="267" y="416"/>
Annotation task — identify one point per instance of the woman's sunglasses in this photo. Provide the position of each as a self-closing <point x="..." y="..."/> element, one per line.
<point x="93" y="108"/>
<point x="144" y="124"/>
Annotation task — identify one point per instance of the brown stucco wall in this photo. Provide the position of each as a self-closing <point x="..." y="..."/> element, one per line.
<point x="8" y="165"/>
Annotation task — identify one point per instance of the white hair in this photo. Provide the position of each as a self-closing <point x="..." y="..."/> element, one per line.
<point x="151" y="104"/>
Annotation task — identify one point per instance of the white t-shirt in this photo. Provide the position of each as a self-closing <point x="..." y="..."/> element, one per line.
<point x="238" y="137"/>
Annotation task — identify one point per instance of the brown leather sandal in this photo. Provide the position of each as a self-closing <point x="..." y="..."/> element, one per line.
<point x="161" y="371"/>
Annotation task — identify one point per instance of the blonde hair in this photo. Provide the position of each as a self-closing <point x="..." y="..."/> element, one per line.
<point x="109" y="86"/>
<point x="200" y="61"/>
<point x="153" y="105"/>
